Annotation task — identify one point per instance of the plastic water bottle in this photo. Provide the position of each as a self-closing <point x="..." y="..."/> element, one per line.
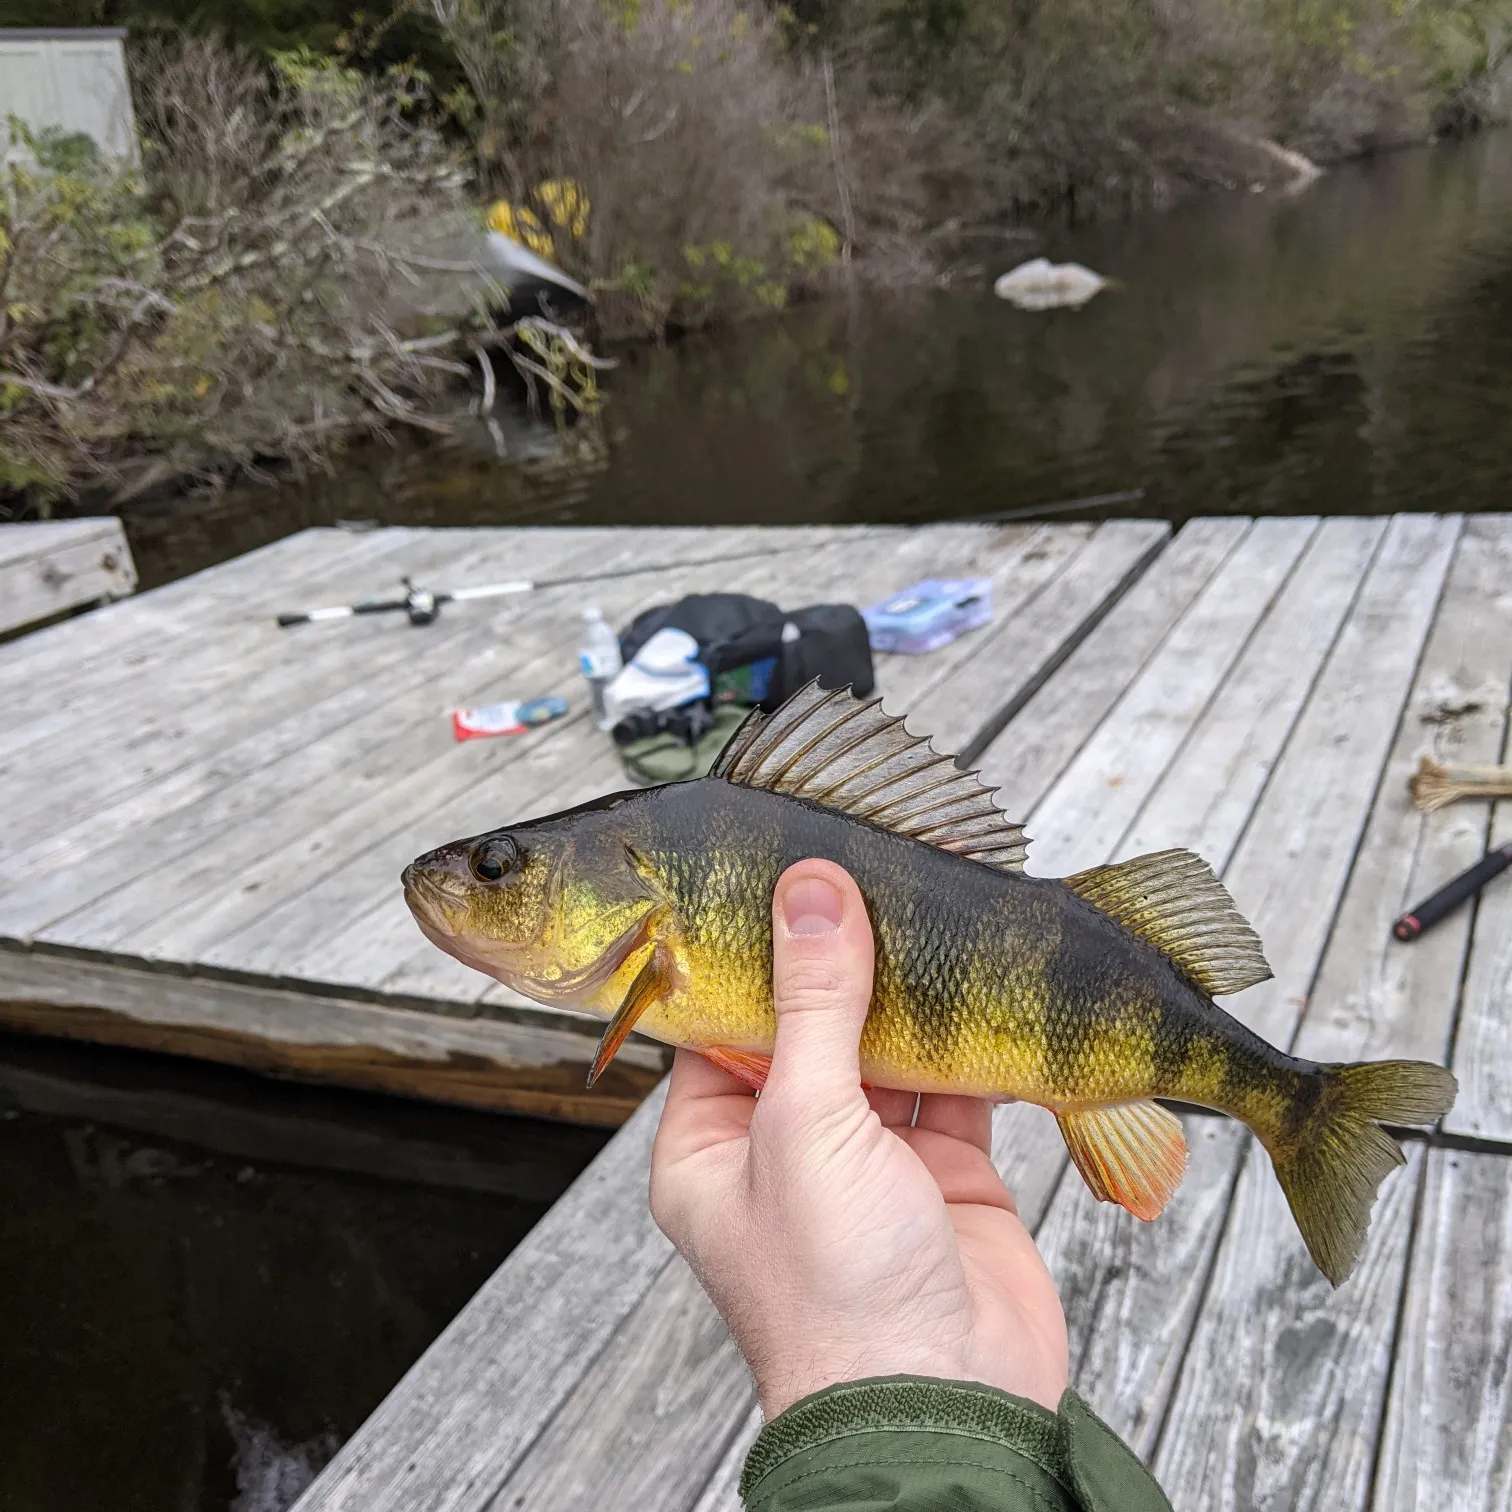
<point x="599" y="657"/>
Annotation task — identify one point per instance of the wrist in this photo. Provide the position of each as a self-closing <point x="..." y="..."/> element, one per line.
<point x="791" y="1377"/>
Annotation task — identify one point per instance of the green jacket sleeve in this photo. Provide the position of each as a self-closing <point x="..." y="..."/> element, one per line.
<point x="906" y="1444"/>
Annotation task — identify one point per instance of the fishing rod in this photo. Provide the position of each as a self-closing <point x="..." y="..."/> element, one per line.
<point x="422" y="605"/>
<point x="1453" y="893"/>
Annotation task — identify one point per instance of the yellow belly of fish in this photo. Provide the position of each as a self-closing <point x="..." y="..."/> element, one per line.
<point x="726" y="1003"/>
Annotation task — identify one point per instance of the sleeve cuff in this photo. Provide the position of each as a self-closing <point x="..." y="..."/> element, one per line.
<point x="874" y="1439"/>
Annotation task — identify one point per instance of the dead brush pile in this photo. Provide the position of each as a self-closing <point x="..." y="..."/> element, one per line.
<point x="220" y="306"/>
<point x="697" y="131"/>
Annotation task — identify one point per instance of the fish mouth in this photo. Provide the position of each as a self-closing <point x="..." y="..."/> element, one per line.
<point x="439" y="908"/>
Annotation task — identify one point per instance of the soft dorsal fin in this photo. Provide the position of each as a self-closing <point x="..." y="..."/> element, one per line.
<point x="833" y="749"/>
<point x="1172" y="899"/>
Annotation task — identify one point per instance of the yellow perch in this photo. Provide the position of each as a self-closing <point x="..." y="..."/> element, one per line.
<point x="1091" y="995"/>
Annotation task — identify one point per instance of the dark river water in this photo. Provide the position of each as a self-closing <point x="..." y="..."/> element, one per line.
<point x="207" y="1281"/>
<point x="1345" y="349"/>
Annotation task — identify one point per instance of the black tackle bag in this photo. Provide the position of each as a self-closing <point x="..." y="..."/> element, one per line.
<point x="752" y="655"/>
<point x="756" y="656"/>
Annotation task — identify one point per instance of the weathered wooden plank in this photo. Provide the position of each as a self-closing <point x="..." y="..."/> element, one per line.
<point x="995" y="673"/>
<point x="1034" y="749"/>
<point x="444" y="1439"/>
<point x="1290" y="869"/>
<point x="218" y="685"/>
<point x="533" y="1061"/>
<point x="50" y="567"/>
<point x="721" y="1492"/>
<point x="1157" y="1301"/>
<point x="1281" y="1393"/>
<point x="1110" y="1268"/>
<point x="1447" y="1440"/>
<point x="133" y="622"/>
<point x="651" y="1419"/>
<point x="1084" y="816"/>
<point x="1375" y="997"/>
<point x="318" y="760"/>
<point x="365" y="934"/>
<point x="1482" y="1053"/>
<point x="1247" y="1434"/>
<point x="145" y="635"/>
<point x="1208" y="794"/>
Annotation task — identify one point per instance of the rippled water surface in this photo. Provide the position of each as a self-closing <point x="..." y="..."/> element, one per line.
<point x="1345" y="349"/>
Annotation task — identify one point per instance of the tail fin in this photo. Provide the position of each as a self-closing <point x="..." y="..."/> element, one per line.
<point x="1331" y="1168"/>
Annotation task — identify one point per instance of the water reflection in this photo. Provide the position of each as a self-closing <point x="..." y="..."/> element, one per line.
<point x="1348" y="349"/>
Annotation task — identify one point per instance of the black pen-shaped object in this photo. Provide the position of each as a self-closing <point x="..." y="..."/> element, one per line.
<point x="1452" y="894"/>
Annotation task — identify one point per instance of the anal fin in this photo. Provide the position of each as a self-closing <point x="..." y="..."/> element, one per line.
<point x="751" y="1068"/>
<point x="1133" y="1154"/>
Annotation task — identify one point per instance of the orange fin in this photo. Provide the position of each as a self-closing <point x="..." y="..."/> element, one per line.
<point x="649" y="984"/>
<point x="751" y="1068"/>
<point x="1133" y="1154"/>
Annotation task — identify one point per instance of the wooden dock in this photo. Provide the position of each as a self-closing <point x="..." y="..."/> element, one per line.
<point x="51" y="567"/>
<point x="1258" y="691"/>
<point x="206" y="815"/>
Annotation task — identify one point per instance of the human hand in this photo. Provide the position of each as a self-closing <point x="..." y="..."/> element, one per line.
<point x="840" y="1237"/>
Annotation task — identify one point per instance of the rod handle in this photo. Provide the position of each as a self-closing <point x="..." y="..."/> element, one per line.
<point x="1452" y="894"/>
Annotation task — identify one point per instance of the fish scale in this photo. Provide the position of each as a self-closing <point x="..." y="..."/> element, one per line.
<point x="1091" y="994"/>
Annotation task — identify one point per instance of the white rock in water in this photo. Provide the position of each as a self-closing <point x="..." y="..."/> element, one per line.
<point x="1040" y="284"/>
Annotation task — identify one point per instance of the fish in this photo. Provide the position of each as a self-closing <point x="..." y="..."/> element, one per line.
<point x="1091" y="995"/>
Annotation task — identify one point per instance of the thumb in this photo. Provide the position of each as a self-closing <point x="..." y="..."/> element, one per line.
<point x="822" y="957"/>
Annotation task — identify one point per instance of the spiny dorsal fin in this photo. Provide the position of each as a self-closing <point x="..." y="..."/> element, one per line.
<point x="833" y="749"/>
<point x="1172" y="899"/>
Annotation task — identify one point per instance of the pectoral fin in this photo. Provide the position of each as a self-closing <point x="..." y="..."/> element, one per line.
<point x="751" y="1068"/>
<point x="652" y="981"/>
<point x="1133" y="1154"/>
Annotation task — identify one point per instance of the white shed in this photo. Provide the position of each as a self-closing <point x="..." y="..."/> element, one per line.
<point x="73" y="78"/>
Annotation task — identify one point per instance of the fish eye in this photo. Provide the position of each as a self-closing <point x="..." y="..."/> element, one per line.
<point x="494" y="858"/>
